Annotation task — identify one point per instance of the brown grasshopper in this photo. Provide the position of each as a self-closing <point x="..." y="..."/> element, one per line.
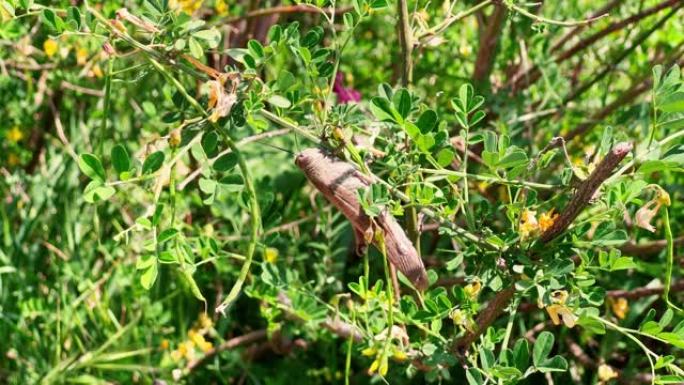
<point x="339" y="182"/>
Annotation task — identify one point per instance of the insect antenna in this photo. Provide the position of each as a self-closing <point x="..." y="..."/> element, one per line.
<point x="277" y="147"/>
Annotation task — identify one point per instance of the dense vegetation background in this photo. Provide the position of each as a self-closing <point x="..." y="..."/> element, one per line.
<point x="156" y="229"/>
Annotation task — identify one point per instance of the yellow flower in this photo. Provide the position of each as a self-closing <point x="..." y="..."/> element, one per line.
<point x="81" y="56"/>
<point x="399" y="356"/>
<point x="546" y="220"/>
<point x="457" y="316"/>
<point x="13" y="160"/>
<point x="620" y="307"/>
<point x="221" y="7"/>
<point x="559" y="297"/>
<point x="185" y="350"/>
<point x="558" y="312"/>
<point x="164" y="344"/>
<point x="15" y="134"/>
<point x="369" y="352"/>
<point x="96" y="71"/>
<point x="473" y="289"/>
<point x="374" y="366"/>
<point x="199" y="341"/>
<point x="606" y="373"/>
<point x="528" y="223"/>
<point x="380" y="365"/>
<point x="271" y="255"/>
<point x="384" y="366"/>
<point x="50" y="47"/>
<point x="187" y="6"/>
<point x="205" y="322"/>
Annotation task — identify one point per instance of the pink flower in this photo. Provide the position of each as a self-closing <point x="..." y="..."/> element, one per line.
<point x="344" y="94"/>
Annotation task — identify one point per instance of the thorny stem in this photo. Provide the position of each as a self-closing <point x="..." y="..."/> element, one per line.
<point x="586" y="191"/>
<point x="406" y="42"/>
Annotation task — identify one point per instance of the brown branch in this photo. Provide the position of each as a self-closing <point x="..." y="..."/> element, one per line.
<point x="493" y="310"/>
<point x="573" y="32"/>
<point x="586" y="191"/>
<point x="644" y="291"/>
<point x="639" y="86"/>
<point x="406" y="43"/>
<point x="628" y="96"/>
<point x="648" y="248"/>
<point x="489" y="41"/>
<point x="230" y="344"/>
<point x="523" y="80"/>
<point x="575" y="93"/>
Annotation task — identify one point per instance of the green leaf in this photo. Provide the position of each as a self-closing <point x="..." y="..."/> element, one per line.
<point x="153" y="162"/>
<point x="474" y="377"/>
<point x="542" y="348"/>
<point x="255" y="49"/>
<point x="52" y="20"/>
<point x="120" y="159"/>
<point x="378" y="4"/>
<point x="208" y="186"/>
<point x="226" y="162"/>
<point x="515" y="158"/>
<point x="279" y="101"/>
<point x="91" y="166"/>
<point x="427" y="121"/>
<point x="97" y="192"/>
<point x="195" y="48"/>
<point x="445" y="156"/>
<point x="673" y="103"/>
<point x="211" y="36"/>
<point x="592" y="325"/>
<point x="74" y="15"/>
<point x="669" y="379"/>
<point x="149" y="276"/>
<point x="210" y="143"/>
<point x="521" y="354"/>
<point x="555" y="364"/>
<point x="402" y="102"/>
<point x="382" y="109"/>
<point x="166" y="235"/>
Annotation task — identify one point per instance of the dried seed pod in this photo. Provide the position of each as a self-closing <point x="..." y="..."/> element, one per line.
<point x="339" y="181"/>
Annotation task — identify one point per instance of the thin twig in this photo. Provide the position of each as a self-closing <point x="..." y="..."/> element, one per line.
<point x="522" y="80"/>
<point x="300" y="8"/>
<point x="227" y="345"/>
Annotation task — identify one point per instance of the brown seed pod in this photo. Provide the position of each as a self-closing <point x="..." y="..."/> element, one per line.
<point x="339" y="181"/>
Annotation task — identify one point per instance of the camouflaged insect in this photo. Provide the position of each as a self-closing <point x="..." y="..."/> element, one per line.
<point x="339" y="182"/>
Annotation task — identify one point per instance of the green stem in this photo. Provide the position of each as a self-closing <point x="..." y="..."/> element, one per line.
<point x="380" y="237"/>
<point x="670" y="261"/>
<point x="255" y="214"/>
<point x="489" y="179"/>
<point x="572" y="23"/>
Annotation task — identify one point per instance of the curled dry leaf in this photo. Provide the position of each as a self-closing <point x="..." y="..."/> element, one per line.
<point x="339" y="181"/>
